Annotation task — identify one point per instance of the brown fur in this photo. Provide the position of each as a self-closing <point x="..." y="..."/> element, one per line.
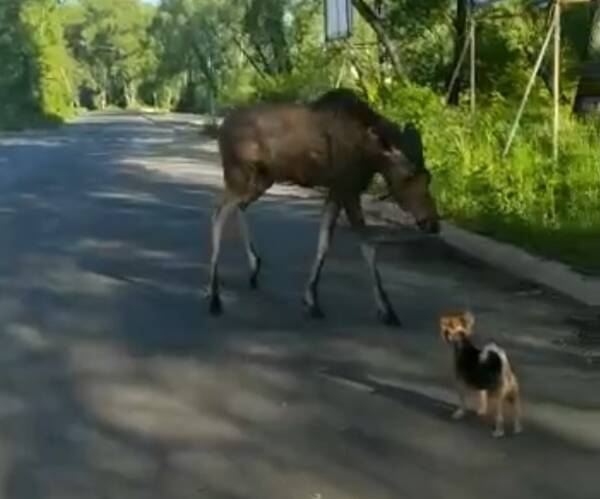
<point x="287" y="143"/>
<point x="337" y="142"/>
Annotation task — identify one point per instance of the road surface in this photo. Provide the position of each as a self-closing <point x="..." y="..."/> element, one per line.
<point x="116" y="384"/>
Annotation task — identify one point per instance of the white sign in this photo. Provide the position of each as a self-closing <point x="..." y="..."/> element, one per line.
<point x="338" y="19"/>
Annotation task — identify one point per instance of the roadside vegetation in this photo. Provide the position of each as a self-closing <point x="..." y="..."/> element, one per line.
<point x="205" y="56"/>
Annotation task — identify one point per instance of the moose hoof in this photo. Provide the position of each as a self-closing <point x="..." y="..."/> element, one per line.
<point x="215" y="307"/>
<point x="389" y="317"/>
<point x="316" y="313"/>
<point x="253" y="281"/>
<point x="313" y="311"/>
<point x="254" y="274"/>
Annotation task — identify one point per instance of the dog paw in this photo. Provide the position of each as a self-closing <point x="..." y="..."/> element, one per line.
<point x="458" y="413"/>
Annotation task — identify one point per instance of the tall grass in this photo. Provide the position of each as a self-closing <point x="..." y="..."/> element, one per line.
<point x="524" y="198"/>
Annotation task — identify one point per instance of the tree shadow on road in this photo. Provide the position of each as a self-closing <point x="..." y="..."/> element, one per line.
<point x="116" y="382"/>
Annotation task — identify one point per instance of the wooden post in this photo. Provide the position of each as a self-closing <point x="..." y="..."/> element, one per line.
<point x="534" y="73"/>
<point x="472" y="46"/>
<point x="211" y="94"/>
<point x="458" y="67"/>
<point x="556" y="84"/>
<point x="341" y="74"/>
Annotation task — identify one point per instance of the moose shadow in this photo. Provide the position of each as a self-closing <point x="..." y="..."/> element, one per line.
<point x="116" y="382"/>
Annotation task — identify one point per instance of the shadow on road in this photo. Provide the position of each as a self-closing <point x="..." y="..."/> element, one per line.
<point x="116" y="383"/>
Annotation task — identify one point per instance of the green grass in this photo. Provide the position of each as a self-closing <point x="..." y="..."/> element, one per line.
<point x="525" y="199"/>
<point x="575" y="246"/>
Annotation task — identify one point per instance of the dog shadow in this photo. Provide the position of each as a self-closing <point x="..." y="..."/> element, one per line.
<point x="436" y="408"/>
<point x="418" y="400"/>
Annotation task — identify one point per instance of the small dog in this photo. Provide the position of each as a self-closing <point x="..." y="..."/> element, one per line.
<point x="487" y="371"/>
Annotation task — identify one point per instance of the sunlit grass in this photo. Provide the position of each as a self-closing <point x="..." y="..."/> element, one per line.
<point x="525" y="198"/>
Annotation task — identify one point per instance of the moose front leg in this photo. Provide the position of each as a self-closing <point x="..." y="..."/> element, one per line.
<point x="253" y="259"/>
<point x="328" y="221"/>
<point x="219" y="220"/>
<point x="356" y="218"/>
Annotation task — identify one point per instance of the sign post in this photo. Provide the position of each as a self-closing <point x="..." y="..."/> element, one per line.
<point x="556" y="84"/>
<point x="338" y="19"/>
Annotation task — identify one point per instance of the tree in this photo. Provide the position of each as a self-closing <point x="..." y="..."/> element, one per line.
<point x="36" y="75"/>
<point x="109" y="40"/>
<point x="50" y="63"/>
<point x="369" y="14"/>
<point x="195" y="45"/>
<point x="264" y="25"/>
<point x="460" y="27"/>
<point x="589" y="83"/>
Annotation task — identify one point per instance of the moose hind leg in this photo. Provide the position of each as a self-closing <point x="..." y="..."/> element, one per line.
<point x="254" y="259"/>
<point x="219" y="220"/>
<point x="328" y="221"/>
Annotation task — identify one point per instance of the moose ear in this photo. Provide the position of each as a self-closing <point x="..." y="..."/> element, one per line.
<point x="376" y="135"/>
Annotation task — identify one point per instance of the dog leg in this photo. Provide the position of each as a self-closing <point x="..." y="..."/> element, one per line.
<point x="460" y="412"/>
<point x="483" y="403"/>
<point x="499" y="427"/>
<point x="517" y="411"/>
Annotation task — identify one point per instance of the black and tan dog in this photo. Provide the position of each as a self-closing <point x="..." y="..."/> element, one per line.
<point x="486" y="370"/>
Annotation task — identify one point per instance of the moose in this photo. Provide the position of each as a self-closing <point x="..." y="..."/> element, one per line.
<point x="337" y="142"/>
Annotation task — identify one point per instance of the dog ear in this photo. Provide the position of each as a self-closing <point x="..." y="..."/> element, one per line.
<point x="443" y="329"/>
<point x="468" y="320"/>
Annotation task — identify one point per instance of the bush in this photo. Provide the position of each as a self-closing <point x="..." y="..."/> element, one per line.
<point x="313" y="73"/>
<point x="524" y="198"/>
<point x="36" y="86"/>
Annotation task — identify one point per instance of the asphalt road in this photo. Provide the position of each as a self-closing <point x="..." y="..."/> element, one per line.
<point x="116" y="384"/>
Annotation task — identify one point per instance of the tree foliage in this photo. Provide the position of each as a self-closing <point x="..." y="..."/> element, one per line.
<point x="206" y="54"/>
<point x="37" y="69"/>
<point x="109" y="40"/>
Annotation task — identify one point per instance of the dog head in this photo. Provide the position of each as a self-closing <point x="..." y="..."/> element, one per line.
<point x="455" y="327"/>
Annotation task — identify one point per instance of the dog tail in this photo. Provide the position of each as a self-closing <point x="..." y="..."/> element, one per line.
<point x="504" y="363"/>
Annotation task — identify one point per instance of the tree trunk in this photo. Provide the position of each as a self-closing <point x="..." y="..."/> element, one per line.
<point x="378" y="7"/>
<point x="460" y="26"/>
<point x="210" y="76"/>
<point x="378" y="26"/>
<point x="102" y="100"/>
<point x="589" y="82"/>
<point x="279" y="44"/>
<point x="129" y="90"/>
<point x="255" y="64"/>
<point x="263" y="23"/>
<point x="267" y="66"/>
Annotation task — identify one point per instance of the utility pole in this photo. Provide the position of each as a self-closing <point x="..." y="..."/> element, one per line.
<point x="556" y="84"/>
<point x="379" y="9"/>
<point x="473" y="55"/>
